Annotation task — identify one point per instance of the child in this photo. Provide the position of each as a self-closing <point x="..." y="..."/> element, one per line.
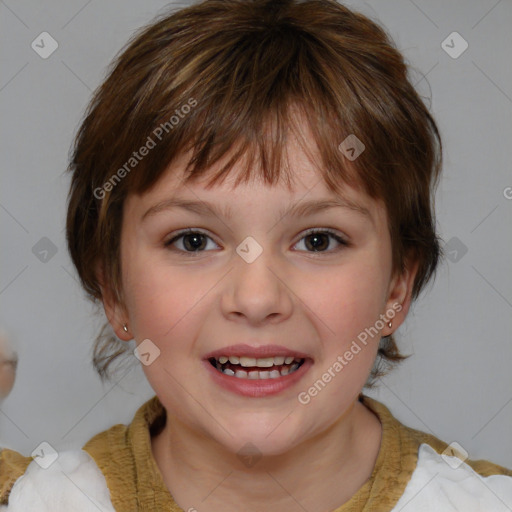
<point x="229" y="140"/>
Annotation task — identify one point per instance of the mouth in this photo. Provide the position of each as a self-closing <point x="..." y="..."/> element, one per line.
<point x="257" y="371"/>
<point x="265" y="368"/>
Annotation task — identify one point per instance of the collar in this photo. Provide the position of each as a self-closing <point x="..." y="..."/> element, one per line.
<point x="124" y="455"/>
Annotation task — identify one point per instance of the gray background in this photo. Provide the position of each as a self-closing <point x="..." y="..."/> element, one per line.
<point x="458" y="382"/>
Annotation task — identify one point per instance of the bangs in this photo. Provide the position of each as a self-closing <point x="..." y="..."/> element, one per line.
<point x="253" y="152"/>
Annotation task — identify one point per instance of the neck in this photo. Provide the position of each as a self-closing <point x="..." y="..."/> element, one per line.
<point x="201" y="474"/>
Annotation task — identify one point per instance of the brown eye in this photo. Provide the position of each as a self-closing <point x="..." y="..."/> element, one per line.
<point x="191" y="242"/>
<point x="319" y="240"/>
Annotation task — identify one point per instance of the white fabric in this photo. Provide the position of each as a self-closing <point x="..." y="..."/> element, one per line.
<point x="72" y="483"/>
<point x="436" y="486"/>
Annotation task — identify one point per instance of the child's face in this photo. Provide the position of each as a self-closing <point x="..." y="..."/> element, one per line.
<point x="314" y="303"/>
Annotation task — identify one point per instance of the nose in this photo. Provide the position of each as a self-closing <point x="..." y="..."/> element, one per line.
<point x="257" y="292"/>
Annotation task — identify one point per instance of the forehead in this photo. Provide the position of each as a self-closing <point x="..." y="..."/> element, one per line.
<point x="305" y="194"/>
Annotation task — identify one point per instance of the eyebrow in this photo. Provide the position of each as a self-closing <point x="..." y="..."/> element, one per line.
<point x="298" y="209"/>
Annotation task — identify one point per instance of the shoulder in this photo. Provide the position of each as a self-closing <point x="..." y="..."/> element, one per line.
<point x="422" y="472"/>
<point x="103" y="475"/>
<point x="453" y="454"/>
<point x="445" y="478"/>
<point x="12" y="466"/>
<point x="69" y="480"/>
<point x="447" y="481"/>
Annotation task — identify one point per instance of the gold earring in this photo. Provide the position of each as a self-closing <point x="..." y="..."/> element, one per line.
<point x="125" y="328"/>
<point x="390" y="324"/>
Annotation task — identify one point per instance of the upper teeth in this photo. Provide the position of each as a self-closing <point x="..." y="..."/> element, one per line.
<point x="264" y="362"/>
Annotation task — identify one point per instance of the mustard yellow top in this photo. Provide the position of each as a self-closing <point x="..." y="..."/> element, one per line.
<point x="123" y="454"/>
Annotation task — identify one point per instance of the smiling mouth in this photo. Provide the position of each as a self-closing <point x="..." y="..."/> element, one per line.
<point x="261" y="369"/>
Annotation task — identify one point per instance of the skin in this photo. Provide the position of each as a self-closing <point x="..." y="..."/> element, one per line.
<point x="7" y="368"/>
<point x="7" y="377"/>
<point x="314" y="302"/>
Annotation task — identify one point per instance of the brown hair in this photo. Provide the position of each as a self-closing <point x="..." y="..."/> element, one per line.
<point x="226" y="77"/>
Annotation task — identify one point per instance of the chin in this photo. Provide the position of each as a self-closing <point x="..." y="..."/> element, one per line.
<point x="275" y="438"/>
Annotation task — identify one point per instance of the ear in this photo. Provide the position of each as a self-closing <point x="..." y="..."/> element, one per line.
<point x="115" y="312"/>
<point x="400" y="296"/>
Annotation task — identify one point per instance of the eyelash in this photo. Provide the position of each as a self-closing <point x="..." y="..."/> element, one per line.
<point x="310" y="232"/>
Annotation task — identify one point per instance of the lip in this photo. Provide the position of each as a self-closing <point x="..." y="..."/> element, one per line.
<point x="257" y="387"/>
<point x="243" y="350"/>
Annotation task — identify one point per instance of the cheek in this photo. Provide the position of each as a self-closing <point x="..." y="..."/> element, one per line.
<point x="155" y="300"/>
<point x="162" y="299"/>
<point x="349" y="309"/>
<point x="351" y="298"/>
